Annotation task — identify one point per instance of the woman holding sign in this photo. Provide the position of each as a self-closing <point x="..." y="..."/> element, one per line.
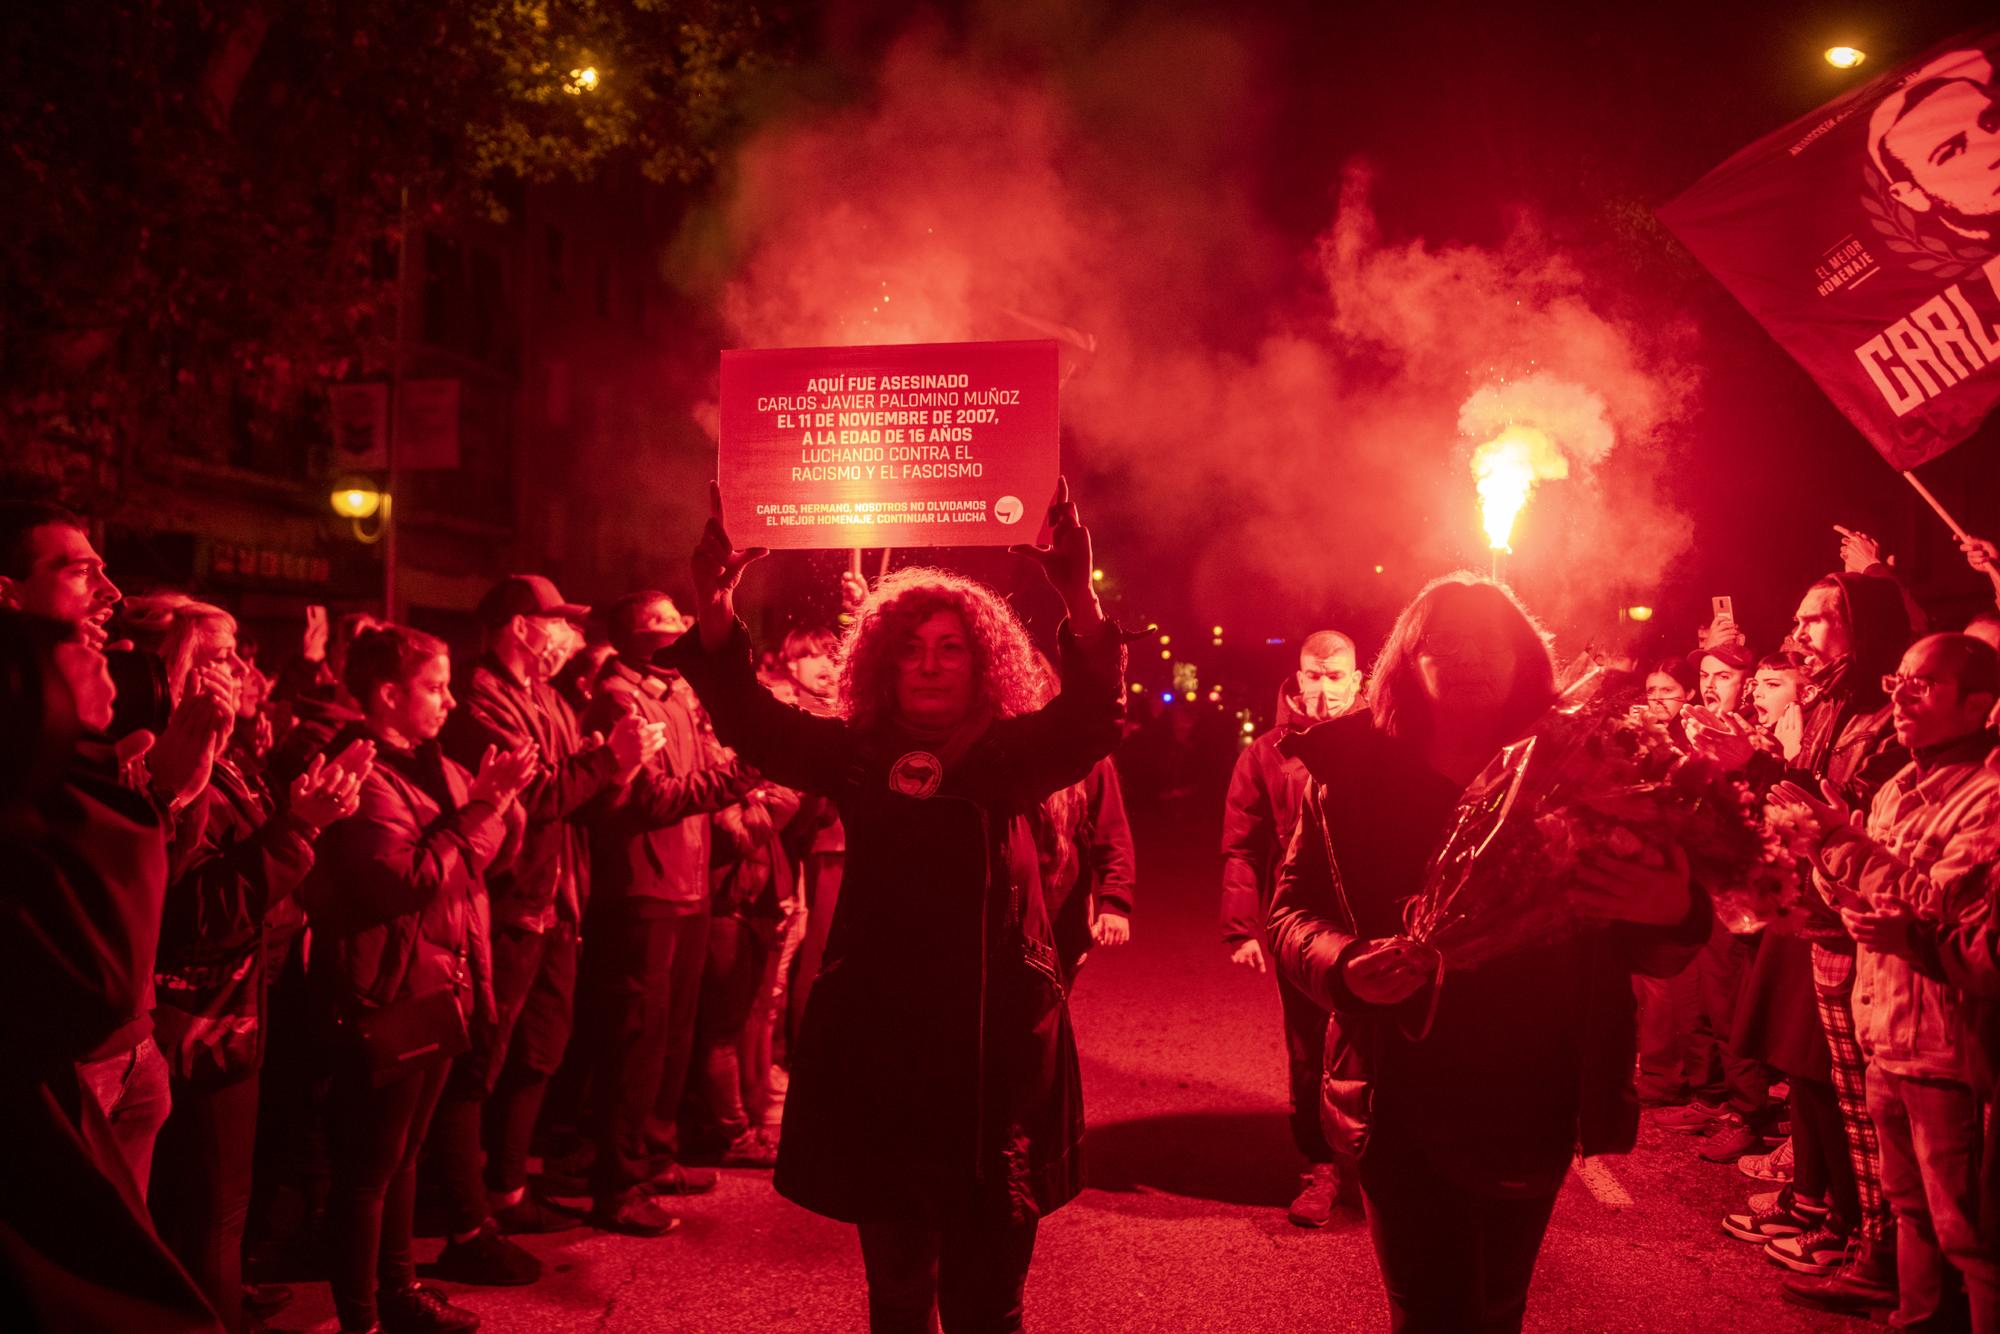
<point x="934" y="1097"/>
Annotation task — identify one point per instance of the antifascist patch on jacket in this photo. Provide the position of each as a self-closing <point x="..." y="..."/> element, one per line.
<point x="917" y="774"/>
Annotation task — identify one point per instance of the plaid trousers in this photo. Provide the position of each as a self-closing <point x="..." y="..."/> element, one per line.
<point x="1833" y="990"/>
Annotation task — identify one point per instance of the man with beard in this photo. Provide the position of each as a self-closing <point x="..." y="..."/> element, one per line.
<point x="1929" y="834"/>
<point x="1851" y="630"/>
<point x="1263" y="806"/>
<point x="537" y="902"/>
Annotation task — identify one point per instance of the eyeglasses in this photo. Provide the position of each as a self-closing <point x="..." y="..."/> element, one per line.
<point x="1920" y="687"/>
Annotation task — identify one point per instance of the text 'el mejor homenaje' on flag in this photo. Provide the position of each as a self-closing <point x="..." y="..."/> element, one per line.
<point x="1866" y="238"/>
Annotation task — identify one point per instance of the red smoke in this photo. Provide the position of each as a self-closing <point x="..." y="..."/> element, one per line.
<point x="1286" y="443"/>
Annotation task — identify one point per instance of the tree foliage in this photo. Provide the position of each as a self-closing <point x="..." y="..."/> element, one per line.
<point x="204" y="195"/>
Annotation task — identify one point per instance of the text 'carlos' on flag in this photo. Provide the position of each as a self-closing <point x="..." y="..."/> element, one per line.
<point x="1866" y="238"/>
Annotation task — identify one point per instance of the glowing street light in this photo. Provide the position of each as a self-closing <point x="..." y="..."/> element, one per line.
<point x="356" y="502"/>
<point x="582" y="81"/>
<point x="1845" y="57"/>
<point x="1097" y="576"/>
<point x="1639" y="613"/>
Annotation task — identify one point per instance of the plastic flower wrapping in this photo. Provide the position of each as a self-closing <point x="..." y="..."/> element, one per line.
<point x="1596" y="775"/>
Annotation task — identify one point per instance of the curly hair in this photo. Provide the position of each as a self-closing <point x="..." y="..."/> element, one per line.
<point x="1006" y="675"/>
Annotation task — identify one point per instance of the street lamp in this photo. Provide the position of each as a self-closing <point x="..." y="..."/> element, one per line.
<point x="1845" y="57"/>
<point x="355" y="500"/>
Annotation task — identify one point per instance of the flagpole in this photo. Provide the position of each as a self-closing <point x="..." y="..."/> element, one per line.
<point x="1932" y="501"/>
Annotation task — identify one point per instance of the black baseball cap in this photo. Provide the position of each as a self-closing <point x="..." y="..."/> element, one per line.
<point x="526" y="595"/>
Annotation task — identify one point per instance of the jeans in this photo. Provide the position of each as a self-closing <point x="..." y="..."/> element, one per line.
<point x="1931" y="1135"/>
<point x="970" y="1272"/>
<point x="374" y="1134"/>
<point x="1722" y="974"/>
<point x="645" y="976"/>
<point x="1454" y="1261"/>
<point x="1305" y="1056"/>
<point x="486" y="1117"/>
<point x="201" y="1179"/>
<point x="1668" y="1014"/>
<point x="733" y="1064"/>
<point x="133" y="1090"/>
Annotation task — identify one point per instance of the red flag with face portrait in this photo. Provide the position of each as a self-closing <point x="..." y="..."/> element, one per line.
<point x="1866" y="238"/>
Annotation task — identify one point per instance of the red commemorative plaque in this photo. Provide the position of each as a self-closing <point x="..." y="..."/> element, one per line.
<point x="919" y="445"/>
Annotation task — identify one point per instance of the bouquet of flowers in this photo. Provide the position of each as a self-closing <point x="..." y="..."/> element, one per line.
<point x="1595" y="775"/>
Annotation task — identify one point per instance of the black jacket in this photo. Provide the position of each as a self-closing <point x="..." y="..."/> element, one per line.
<point x="1527" y="1059"/>
<point x="1265" y="792"/>
<point x="935" y="1067"/>
<point x="548" y="878"/>
<point x="650" y="838"/>
<point x="230" y="893"/>
<point x="396" y="899"/>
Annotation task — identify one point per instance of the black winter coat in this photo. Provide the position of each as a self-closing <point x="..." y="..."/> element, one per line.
<point x="229" y="893"/>
<point x="1528" y="1059"/>
<point x="1265" y="792"/>
<point x="548" y="879"/>
<point x="935" y="1069"/>
<point x="396" y="899"/>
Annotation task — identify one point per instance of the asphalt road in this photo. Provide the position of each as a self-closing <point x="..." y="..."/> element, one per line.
<point x="1183" y="1225"/>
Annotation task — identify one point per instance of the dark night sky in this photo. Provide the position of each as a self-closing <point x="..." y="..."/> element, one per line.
<point x="1469" y="115"/>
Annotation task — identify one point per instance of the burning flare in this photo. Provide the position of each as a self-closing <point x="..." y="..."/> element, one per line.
<point x="1506" y="469"/>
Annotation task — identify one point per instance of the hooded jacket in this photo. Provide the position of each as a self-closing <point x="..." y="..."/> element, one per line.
<point x="1265" y="792"/>
<point x="935" y="1069"/>
<point x="1528" y="1058"/>
<point x="1847" y="738"/>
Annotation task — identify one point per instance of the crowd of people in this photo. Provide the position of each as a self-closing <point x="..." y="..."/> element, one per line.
<point x="307" y="958"/>
<point x="1841" y="1051"/>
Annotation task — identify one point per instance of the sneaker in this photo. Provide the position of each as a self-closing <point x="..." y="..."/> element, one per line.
<point x="634" y="1214"/>
<point x="1773" y="1166"/>
<point x="264" y="1299"/>
<point x="487" y="1260"/>
<point x="674" y="1179"/>
<point x="1692" y="1119"/>
<point x="1764" y="1199"/>
<point x="530" y="1214"/>
<point x="1729" y="1140"/>
<point x="421" y="1310"/>
<point x="750" y="1149"/>
<point x="1779" y="1216"/>
<point x="1318" y="1190"/>
<point x="1866" y="1282"/>
<point x="1820" y="1251"/>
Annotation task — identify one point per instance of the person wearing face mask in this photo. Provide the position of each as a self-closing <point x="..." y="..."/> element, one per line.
<point x="229" y="913"/>
<point x="1263" y="805"/>
<point x="86" y="869"/>
<point x="1463" y="1139"/>
<point x="648" y="927"/>
<point x="487" y="1115"/>
<point x="934" y="1097"/>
